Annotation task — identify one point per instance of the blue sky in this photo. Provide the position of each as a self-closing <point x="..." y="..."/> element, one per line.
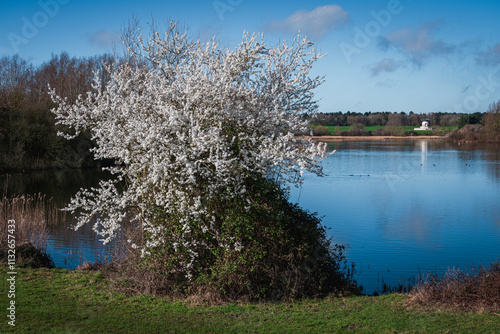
<point x="391" y="55"/>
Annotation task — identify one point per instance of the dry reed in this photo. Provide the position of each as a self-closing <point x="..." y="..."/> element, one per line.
<point x="32" y="215"/>
<point x="477" y="290"/>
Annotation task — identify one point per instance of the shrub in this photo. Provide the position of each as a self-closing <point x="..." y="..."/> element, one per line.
<point x="286" y="254"/>
<point x="321" y="130"/>
<point x="28" y="256"/>
<point x="358" y="126"/>
<point x="204" y="138"/>
<point x="491" y="122"/>
<point x="395" y="130"/>
<point x="467" y="133"/>
<point x="355" y="132"/>
<point x="390" y="131"/>
<point x="379" y="132"/>
<point x="439" y="131"/>
<point x="488" y="131"/>
<point x="476" y="290"/>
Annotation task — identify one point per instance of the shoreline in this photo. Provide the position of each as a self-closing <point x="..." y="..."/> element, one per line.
<point x="372" y="138"/>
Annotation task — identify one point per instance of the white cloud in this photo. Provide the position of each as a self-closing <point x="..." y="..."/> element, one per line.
<point x="315" y="23"/>
<point x="418" y="44"/>
<point x="490" y="57"/>
<point x="385" y="65"/>
<point x="104" y="39"/>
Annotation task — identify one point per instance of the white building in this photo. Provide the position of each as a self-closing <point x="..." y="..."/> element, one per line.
<point x="424" y="126"/>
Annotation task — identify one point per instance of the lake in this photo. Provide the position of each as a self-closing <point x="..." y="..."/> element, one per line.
<point x="403" y="208"/>
<point x="67" y="247"/>
<point x="409" y="207"/>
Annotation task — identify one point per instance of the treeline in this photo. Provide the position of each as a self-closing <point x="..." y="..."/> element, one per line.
<point x="28" y="134"/>
<point x="478" y="126"/>
<point x="386" y="118"/>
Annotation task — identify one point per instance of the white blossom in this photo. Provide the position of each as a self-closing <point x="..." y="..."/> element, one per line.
<point x="187" y="122"/>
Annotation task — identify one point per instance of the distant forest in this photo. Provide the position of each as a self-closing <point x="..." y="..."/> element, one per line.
<point x="28" y="134"/>
<point x="478" y="126"/>
<point x="390" y="123"/>
<point x="387" y="118"/>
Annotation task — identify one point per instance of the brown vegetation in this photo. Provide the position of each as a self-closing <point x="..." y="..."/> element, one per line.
<point x="491" y="123"/>
<point x="355" y="132"/>
<point x="469" y="133"/>
<point x="389" y="131"/>
<point x="28" y="134"/>
<point x="488" y="131"/>
<point x="478" y="290"/>
<point x="31" y="216"/>
<point x="321" y="130"/>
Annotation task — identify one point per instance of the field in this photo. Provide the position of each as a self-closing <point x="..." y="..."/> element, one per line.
<point x="63" y="301"/>
<point x="335" y="130"/>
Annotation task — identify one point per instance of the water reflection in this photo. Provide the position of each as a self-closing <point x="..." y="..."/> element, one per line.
<point x="68" y="248"/>
<point x="423" y="148"/>
<point x="402" y="207"/>
<point x="409" y="207"/>
<point x="60" y="184"/>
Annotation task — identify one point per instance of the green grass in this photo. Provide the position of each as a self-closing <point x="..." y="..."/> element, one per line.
<point x="62" y="301"/>
<point x="335" y="130"/>
<point x="409" y="128"/>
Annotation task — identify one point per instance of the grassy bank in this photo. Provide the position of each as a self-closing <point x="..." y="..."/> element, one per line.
<point x="383" y="130"/>
<point x="57" y="301"/>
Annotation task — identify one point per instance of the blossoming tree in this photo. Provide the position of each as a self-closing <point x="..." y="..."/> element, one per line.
<point x="192" y="126"/>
